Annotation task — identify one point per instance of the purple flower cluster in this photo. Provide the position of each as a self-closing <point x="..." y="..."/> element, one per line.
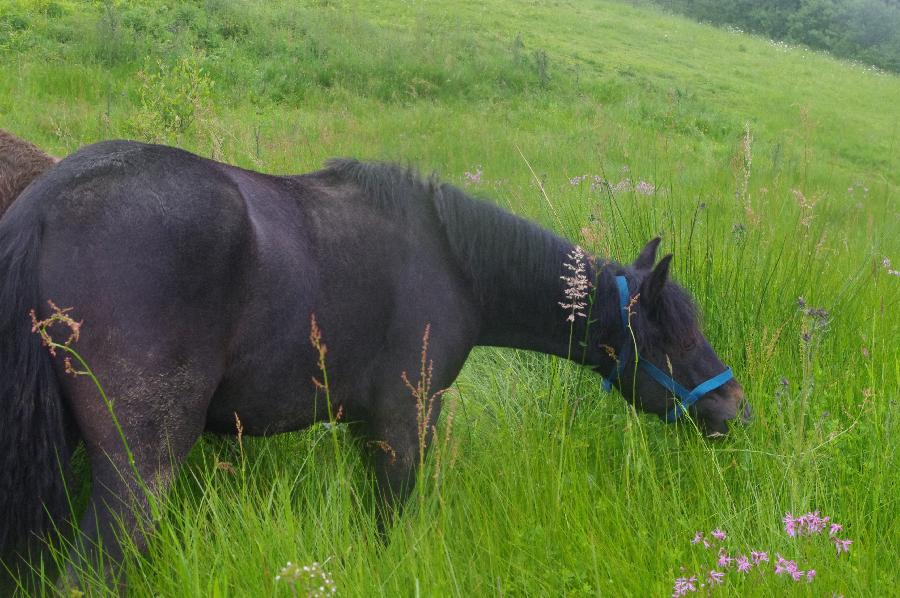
<point x="759" y="557"/>
<point x="810" y="524"/>
<point x="698" y="538"/>
<point x="683" y="585"/>
<point x="786" y="567"/>
<point x="714" y="577"/>
<point x="805" y="525"/>
<point x="716" y="534"/>
<point x="742" y="563"/>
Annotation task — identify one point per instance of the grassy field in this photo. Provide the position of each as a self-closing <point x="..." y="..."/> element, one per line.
<point x="772" y="173"/>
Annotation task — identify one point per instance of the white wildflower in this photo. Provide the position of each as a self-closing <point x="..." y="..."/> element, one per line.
<point x="309" y="580"/>
<point x="577" y="285"/>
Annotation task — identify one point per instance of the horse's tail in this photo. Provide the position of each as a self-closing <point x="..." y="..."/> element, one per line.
<point x="34" y="451"/>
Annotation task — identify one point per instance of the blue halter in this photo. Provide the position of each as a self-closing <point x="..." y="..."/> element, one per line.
<point x="688" y="397"/>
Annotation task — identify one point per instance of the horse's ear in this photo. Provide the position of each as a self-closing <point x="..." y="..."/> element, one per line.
<point x="647" y="257"/>
<point x="652" y="286"/>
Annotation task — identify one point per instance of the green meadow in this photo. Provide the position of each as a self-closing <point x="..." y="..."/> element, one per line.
<point x="771" y="172"/>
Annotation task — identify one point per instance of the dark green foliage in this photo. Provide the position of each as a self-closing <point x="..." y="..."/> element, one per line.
<point x="864" y="30"/>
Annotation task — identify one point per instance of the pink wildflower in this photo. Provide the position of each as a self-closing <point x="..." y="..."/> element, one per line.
<point x="718" y="534"/>
<point x="790" y="525"/>
<point x="715" y="577"/>
<point x="683" y="585"/>
<point x="783" y="566"/>
<point x="842" y="545"/>
<point x="835" y="528"/>
<point x="743" y="564"/>
<point x="698" y="537"/>
<point x="812" y="523"/>
<point x="759" y="557"/>
<point x="724" y="559"/>
<point x="810" y="575"/>
<point x="780" y="567"/>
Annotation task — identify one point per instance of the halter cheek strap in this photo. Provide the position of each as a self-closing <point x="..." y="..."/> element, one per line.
<point x="687" y="397"/>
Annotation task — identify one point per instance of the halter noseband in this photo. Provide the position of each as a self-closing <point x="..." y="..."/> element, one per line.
<point x="688" y="397"/>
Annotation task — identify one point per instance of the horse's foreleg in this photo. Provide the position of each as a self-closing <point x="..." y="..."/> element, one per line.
<point x="397" y="438"/>
<point x="404" y="409"/>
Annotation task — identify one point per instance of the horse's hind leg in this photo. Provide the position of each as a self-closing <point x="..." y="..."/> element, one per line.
<point x="159" y="415"/>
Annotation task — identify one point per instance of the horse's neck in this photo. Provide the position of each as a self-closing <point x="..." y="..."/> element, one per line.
<point x="536" y="320"/>
<point x="515" y="268"/>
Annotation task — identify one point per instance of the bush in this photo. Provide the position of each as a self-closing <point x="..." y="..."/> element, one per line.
<point x="173" y="97"/>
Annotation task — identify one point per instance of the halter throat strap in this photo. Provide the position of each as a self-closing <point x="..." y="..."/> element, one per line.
<point x="685" y="398"/>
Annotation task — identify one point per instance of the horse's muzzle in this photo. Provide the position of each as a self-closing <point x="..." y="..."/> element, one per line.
<point x="746" y="412"/>
<point x="718" y="418"/>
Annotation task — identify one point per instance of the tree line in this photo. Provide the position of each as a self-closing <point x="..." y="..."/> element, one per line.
<point x="864" y="30"/>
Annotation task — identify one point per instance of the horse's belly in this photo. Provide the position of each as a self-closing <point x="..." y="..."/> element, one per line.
<point x="260" y="409"/>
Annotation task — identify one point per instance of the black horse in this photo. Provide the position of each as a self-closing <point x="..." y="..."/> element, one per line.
<point x="196" y="280"/>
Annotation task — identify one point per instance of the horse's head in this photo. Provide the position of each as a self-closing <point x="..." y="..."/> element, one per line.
<point x="662" y="362"/>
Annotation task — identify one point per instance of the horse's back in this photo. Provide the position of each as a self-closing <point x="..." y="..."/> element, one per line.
<point x="127" y="183"/>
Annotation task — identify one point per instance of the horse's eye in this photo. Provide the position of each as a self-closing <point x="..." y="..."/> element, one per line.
<point x="688" y="343"/>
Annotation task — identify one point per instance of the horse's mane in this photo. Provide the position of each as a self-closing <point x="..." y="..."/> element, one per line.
<point x="390" y="187"/>
<point x="487" y="241"/>
<point x="680" y="311"/>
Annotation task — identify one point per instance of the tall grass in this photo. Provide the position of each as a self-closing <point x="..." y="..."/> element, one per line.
<point x="774" y="176"/>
